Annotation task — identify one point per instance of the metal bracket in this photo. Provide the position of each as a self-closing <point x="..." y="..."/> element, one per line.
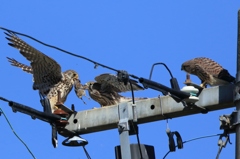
<point x="123" y="125"/>
<point x="229" y="122"/>
<point x="123" y="128"/>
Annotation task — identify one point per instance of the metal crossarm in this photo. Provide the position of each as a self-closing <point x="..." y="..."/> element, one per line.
<point x="149" y="110"/>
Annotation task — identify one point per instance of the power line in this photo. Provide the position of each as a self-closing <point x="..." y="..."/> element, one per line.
<point x="202" y="137"/>
<point x="87" y="154"/>
<point x="16" y="134"/>
<point x="67" y="52"/>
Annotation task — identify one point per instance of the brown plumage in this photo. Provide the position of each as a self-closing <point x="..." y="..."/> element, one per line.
<point x="47" y="75"/>
<point x="105" y="90"/>
<point x="24" y="67"/>
<point x="209" y="71"/>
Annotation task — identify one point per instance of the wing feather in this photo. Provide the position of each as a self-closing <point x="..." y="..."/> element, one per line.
<point x="46" y="71"/>
<point x="24" y="67"/>
<point x="110" y="81"/>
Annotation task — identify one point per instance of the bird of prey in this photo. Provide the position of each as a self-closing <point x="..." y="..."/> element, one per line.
<point x="105" y="90"/>
<point x="47" y="74"/>
<point x="209" y="71"/>
<point x="78" y="87"/>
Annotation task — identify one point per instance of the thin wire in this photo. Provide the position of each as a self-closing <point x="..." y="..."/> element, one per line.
<point x="202" y="137"/>
<point x="16" y="134"/>
<point x="133" y="100"/>
<point x="160" y="63"/>
<point x="87" y="154"/>
<point x="139" y="146"/>
<point x="166" y="154"/>
<point x="67" y="52"/>
<point x="3" y="99"/>
<point x="138" y="140"/>
<point x="219" y="151"/>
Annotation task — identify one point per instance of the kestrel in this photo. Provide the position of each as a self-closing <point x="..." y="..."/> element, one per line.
<point x="78" y="87"/>
<point x="106" y="88"/>
<point x="209" y="71"/>
<point x="47" y="74"/>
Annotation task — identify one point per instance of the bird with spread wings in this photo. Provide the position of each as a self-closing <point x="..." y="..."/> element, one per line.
<point x="105" y="90"/>
<point x="47" y="75"/>
<point x="208" y="71"/>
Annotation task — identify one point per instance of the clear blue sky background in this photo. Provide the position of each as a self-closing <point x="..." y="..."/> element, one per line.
<point x="128" y="35"/>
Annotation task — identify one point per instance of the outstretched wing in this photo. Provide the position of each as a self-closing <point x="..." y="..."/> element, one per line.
<point x="24" y="67"/>
<point x="46" y="71"/>
<point x="110" y="81"/>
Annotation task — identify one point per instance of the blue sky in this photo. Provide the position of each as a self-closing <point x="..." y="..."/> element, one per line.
<point x="126" y="35"/>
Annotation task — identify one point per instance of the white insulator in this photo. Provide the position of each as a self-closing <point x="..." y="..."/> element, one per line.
<point x="192" y="99"/>
<point x="193" y="94"/>
<point x="190" y="89"/>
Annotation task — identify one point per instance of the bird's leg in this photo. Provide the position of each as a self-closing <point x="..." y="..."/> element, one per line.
<point x="203" y="84"/>
<point x="59" y="100"/>
<point x="83" y="101"/>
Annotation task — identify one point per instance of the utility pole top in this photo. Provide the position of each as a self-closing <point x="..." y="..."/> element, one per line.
<point x="149" y="110"/>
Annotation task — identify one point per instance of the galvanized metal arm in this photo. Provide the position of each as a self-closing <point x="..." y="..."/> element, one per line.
<point x="149" y="110"/>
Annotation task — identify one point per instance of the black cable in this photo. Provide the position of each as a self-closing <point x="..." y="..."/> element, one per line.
<point x="219" y="151"/>
<point x="67" y="52"/>
<point x="3" y="99"/>
<point x="16" y="133"/>
<point x="133" y="100"/>
<point x="202" y="137"/>
<point x="166" y="154"/>
<point x="160" y="63"/>
<point x="138" y="140"/>
<point x="139" y="146"/>
<point x="87" y="154"/>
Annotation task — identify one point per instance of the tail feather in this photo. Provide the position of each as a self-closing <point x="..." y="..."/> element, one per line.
<point x="224" y="75"/>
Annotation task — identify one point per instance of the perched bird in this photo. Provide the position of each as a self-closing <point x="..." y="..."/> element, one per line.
<point x="106" y="88"/>
<point x="47" y="75"/>
<point x="209" y="71"/>
<point x="78" y="87"/>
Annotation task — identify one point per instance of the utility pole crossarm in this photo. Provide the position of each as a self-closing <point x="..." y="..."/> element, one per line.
<point x="149" y="110"/>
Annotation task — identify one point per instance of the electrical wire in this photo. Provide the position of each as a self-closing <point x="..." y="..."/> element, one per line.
<point x="87" y="154"/>
<point x="219" y="151"/>
<point x="133" y="100"/>
<point x="138" y="140"/>
<point x="3" y="99"/>
<point x="67" y="52"/>
<point x="16" y="133"/>
<point x="160" y="63"/>
<point x="202" y="137"/>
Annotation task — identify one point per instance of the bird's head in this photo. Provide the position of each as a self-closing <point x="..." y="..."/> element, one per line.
<point x="72" y="74"/>
<point x="92" y="85"/>
<point x="187" y="66"/>
<point x="89" y="84"/>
